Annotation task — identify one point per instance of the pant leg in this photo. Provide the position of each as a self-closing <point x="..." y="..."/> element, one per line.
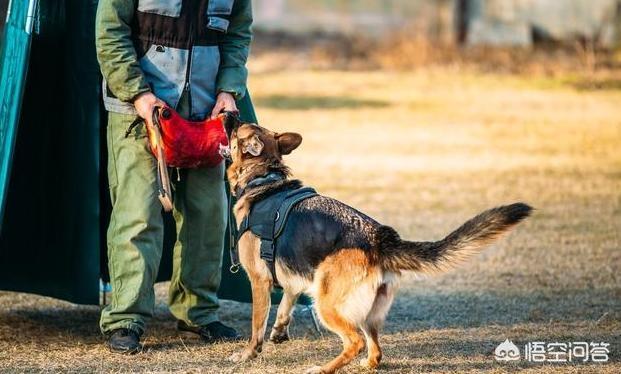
<point x="135" y="233"/>
<point x="201" y="217"/>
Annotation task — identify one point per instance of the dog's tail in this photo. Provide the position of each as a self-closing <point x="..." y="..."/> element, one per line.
<point x="397" y="255"/>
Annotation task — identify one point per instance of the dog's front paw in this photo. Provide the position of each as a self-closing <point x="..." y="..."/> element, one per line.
<point x="278" y="337"/>
<point x="368" y="363"/>
<point x="245" y="355"/>
<point x="314" y="370"/>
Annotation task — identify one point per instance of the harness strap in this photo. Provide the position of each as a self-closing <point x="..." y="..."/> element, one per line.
<point x="267" y="250"/>
<point x="245" y="225"/>
<point x="267" y="219"/>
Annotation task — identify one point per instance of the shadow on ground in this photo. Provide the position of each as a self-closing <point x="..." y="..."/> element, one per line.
<point x="466" y="309"/>
<point x="413" y="312"/>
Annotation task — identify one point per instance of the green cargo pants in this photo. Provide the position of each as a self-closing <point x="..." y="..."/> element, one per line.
<point x="136" y="231"/>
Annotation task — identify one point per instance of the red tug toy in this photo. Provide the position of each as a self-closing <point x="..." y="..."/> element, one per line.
<point x="190" y="144"/>
<point x="177" y="142"/>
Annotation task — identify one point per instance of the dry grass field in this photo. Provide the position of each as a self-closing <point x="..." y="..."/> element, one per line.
<point x="421" y="151"/>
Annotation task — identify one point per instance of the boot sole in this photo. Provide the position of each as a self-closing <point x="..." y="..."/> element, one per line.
<point x="126" y="351"/>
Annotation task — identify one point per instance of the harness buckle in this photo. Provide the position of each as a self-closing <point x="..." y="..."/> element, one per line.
<point x="234" y="269"/>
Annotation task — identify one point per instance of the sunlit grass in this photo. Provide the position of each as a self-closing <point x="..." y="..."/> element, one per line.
<point x="421" y="151"/>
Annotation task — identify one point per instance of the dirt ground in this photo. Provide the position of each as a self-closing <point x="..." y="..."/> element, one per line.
<point x="420" y="151"/>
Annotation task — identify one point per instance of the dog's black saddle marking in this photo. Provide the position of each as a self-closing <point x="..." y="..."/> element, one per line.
<point x="267" y="219"/>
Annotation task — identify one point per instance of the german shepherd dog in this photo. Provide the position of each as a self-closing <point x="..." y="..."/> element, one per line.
<point x="346" y="261"/>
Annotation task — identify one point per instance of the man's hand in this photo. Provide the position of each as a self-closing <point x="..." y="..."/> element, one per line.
<point x="224" y="102"/>
<point x="145" y="103"/>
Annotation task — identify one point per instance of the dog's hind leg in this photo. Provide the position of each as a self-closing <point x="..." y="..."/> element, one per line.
<point x="346" y="285"/>
<point x="347" y="331"/>
<point x="384" y="296"/>
<point x="280" y="331"/>
<point x="374" y="352"/>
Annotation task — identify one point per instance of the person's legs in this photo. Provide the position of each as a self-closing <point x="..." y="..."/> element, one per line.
<point x="135" y="232"/>
<point x="201" y="217"/>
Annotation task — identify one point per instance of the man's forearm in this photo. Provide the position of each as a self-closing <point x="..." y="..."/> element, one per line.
<point x="115" y="50"/>
<point x="234" y="51"/>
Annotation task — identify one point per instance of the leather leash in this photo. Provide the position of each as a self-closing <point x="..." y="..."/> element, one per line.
<point x="163" y="180"/>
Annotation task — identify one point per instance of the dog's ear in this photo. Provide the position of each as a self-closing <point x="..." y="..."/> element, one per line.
<point x="288" y="141"/>
<point x="254" y="145"/>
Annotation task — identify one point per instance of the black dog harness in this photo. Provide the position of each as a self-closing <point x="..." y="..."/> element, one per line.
<point x="268" y="217"/>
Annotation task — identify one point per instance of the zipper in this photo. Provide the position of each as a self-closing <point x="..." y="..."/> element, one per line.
<point x="189" y="61"/>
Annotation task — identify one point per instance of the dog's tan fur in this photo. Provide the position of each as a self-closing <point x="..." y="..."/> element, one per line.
<point x="353" y="289"/>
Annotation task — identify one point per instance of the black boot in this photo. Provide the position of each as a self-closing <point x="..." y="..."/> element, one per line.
<point x="124" y="341"/>
<point x="212" y="332"/>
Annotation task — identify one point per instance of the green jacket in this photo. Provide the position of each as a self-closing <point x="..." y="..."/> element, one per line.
<point x="214" y="63"/>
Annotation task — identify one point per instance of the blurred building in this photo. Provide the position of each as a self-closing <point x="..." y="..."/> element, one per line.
<point x="471" y="22"/>
<point x="522" y="22"/>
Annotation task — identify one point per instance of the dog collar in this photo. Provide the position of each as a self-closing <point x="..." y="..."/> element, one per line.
<point x="259" y="181"/>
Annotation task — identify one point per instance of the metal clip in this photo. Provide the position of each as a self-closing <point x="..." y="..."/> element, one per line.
<point x="234" y="269"/>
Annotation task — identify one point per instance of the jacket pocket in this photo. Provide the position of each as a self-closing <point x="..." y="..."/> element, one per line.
<point x="217" y="13"/>
<point x="170" y="8"/>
